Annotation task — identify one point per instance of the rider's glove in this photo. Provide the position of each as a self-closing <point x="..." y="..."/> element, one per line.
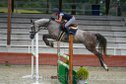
<point x="52" y="18"/>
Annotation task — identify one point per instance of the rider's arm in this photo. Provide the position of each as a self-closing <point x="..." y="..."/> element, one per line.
<point x="59" y="20"/>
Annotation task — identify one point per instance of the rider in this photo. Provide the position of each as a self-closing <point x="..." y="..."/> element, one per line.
<point x="61" y="15"/>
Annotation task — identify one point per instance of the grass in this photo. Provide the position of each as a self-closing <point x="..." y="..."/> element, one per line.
<point x="5" y="10"/>
<point x="26" y="11"/>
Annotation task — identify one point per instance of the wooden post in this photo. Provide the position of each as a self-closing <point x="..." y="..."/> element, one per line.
<point x="9" y="22"/>
<point x="12" y="5"/>
<point x="60" y="5"/>
<point x="47" y="6"/>
<point x="107" y="4"/>
<point x="71" y="59"/>
<point x="73" y="12"/>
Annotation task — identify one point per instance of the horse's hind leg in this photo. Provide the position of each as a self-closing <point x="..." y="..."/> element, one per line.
<point x="47" y="42"/>
<point x="99" y="55"/>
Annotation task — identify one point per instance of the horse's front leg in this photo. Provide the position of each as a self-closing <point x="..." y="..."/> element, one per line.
<point x="47" y="42"/>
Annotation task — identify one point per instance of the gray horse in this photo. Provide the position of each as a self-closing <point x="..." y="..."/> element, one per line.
<point x="90" y="40"/>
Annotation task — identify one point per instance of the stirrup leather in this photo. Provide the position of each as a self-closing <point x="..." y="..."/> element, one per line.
<point x="62" y="33"/>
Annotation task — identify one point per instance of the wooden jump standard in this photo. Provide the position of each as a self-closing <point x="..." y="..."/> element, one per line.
<point x="70" y="57"/>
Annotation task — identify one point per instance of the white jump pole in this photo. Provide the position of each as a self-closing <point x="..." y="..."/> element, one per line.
<point x="34" y="59"/>
<point x="37" y="56"/>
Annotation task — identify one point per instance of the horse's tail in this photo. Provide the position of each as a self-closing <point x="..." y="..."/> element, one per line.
<point x="102" y="43"/>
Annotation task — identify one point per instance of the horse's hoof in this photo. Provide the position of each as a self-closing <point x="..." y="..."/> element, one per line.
<point x="107" y="69"/>
<point x="51" y="44"/>
<point x="32" y="35"/>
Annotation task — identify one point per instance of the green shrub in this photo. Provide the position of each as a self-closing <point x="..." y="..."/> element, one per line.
<point x="67" y="62"/>
<point x="82" y="74"/>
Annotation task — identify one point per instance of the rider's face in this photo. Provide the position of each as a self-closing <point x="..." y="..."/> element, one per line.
<point x="55" y="13"/>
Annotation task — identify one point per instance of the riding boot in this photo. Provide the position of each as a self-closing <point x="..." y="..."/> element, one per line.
<point x="67" y="32"/>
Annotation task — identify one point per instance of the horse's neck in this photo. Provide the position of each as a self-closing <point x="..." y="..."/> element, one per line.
<point x="53" y="28"/>
<point x="54" y="25"/>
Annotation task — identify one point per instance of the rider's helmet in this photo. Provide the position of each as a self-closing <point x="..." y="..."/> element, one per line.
<point x="55" y="10"/>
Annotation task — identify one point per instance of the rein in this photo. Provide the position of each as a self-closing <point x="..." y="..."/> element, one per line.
<point x="33" y="32"/>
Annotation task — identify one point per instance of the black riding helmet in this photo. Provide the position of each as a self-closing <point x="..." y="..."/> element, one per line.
<point x="55" y="10"/>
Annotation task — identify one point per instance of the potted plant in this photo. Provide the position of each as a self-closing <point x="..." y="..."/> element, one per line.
<point x="82" y="75"/>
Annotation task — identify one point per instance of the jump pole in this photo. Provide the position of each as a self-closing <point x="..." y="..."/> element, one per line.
<point x="37" y="56"/>
<point x="34" y="59"/>
<point x="71" y="58"/>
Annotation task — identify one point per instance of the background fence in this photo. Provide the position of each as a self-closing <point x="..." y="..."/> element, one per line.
<point x="83" y="7"/>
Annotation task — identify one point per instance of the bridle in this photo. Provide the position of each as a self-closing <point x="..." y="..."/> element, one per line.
<point x="33" y="32"/>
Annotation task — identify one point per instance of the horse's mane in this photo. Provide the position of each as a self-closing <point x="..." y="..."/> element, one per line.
<point x="45" y="19"/>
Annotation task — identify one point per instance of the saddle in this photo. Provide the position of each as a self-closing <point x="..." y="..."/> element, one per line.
<point x="73" y="26"/>
<point x="72" y="30"/>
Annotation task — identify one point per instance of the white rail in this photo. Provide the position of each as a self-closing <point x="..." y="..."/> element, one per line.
<point x="63" y="55"/>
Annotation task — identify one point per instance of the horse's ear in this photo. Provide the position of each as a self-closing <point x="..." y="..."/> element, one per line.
<point x="32" y="22"/>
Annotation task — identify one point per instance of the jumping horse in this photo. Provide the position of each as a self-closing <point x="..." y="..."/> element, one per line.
<point x="90" y="40"/>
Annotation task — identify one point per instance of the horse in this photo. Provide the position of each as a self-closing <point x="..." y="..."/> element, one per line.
<point x="90" y="40"/>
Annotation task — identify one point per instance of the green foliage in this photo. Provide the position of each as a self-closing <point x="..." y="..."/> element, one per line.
<point x="67" y="62"/>
<point x="3" y="3"/>
<point x="82" y="74"/>
<point x="27" y="11"/>
<point x="91" y="1"/>
<point x="5" y="10"/>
